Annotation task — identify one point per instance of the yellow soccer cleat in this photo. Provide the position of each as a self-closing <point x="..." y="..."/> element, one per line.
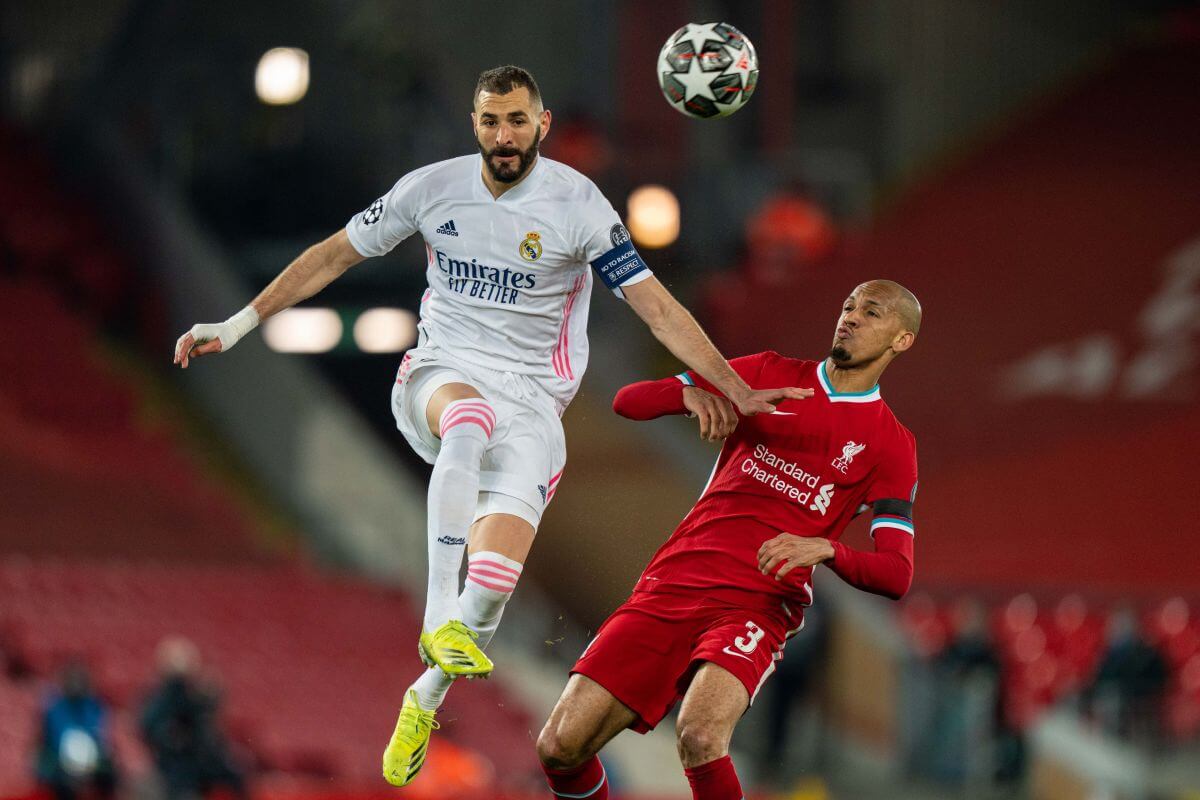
<point x="405" y="753"/>
<point x="452" y="649"/>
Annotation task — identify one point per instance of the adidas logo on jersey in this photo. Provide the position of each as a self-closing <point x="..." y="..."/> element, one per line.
<point x="448" y="229"/>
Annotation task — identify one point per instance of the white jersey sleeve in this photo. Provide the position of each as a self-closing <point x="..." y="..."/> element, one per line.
<point x="389" y="220"/>
<point x="605" y="244"/>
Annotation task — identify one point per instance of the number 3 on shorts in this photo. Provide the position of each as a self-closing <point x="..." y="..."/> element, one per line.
<point x="748" y="643"/>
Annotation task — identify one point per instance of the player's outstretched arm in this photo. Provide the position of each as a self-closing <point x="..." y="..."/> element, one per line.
<point x="679" y="332"/>
<point x="647" y="400"/>
<point x="312" y="271"/>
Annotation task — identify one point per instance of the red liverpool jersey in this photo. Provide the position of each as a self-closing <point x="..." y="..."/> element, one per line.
<point x="807" y="469"/>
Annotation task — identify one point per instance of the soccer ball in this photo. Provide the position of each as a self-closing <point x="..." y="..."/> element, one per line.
<point x="707" y="70"/>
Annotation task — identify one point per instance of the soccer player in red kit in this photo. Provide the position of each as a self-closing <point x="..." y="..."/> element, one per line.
<point x="709" y="616"/>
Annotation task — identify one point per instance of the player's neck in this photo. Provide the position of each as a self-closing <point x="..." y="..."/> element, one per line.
<point x="859" y="378"/>
<point x="498" y="188"/>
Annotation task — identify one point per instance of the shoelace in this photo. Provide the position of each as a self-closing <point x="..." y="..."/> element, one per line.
<point x="462" y="628"/>
<point x="422" y="717"/>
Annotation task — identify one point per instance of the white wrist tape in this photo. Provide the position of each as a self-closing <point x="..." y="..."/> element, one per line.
<point x="238" y="326"/>
<point x="227" y="332"/>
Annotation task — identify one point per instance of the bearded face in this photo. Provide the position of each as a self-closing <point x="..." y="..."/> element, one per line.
<point x="508" y="131"/>
<point x="509" y="163"/>
<point x="866" y="329"/>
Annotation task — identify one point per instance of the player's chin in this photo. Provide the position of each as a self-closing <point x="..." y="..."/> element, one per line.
<point x="840" y="354"/>
<point x="505" y="173"/>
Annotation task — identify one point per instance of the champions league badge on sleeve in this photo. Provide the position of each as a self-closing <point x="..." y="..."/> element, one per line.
<point x="531" y="247"/>
<point x="618" y="234"/>
<point x="373" y="214"/>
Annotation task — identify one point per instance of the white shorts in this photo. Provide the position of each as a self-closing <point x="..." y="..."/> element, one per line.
<point x="524" y="459"/>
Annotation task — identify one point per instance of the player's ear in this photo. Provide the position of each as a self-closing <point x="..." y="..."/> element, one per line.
<point x="903" y="341"/>
<point x="545" y="123"/>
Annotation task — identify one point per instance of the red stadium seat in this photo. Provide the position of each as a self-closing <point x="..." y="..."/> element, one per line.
<point x="1046" y="657"/>
<point x="310" y="684"/>
<point x="312" y="667"/>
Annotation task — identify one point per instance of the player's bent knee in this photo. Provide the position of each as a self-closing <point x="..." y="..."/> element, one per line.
<point x="699" y="743"/>
<point x="557" y="751"/>
<point x="466" y="415"/>
<point x="455" y="400"/>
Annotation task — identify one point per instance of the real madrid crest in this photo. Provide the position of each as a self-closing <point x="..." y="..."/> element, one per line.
<point x="531" y="247"/>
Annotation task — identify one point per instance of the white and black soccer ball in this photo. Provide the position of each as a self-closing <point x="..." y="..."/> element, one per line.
<point x="707" y="69"/>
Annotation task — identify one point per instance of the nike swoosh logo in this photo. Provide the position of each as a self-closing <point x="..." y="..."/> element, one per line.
<point x="736" y="653"/>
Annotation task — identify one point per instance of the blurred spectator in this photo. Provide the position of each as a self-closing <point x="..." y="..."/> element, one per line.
<point x="970" y="650"/>
<point x="1126" y="696"/>
<point x="783" y="240"/>
<point x="788" y="234"/>
<point x="179" y="725"/>
<point x="579" y="142"/>
<point x="75" y="756"/>
<point x="795" y="688"/>
<point x="966" y="741"/>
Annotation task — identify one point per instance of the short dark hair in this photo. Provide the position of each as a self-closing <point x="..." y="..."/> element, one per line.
<point x="502" y="80"/>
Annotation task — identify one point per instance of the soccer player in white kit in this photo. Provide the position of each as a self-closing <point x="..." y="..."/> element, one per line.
<point x="509" y="240"/>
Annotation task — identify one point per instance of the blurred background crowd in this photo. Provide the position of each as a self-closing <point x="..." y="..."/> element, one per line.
<point x="210" y="581"/>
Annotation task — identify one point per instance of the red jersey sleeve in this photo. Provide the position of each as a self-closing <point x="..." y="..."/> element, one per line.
<point x="896" y="476"/>
<point x="750" y="368"/>
<point x="652" y="399"/>
<point x="887" y="571"/>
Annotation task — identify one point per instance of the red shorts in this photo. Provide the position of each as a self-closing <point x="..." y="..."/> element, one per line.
<point x="646" y="653"/>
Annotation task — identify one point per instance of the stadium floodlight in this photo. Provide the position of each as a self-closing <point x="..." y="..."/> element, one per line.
<point x="385" y="330"/>
<point x="303" y="330"/>
<point x="282" y="76"/>
<point x="653" y="216"/>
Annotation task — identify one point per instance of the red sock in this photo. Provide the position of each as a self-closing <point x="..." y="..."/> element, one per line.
<point x="587" y="780"/>
<point x="715" y="780"/>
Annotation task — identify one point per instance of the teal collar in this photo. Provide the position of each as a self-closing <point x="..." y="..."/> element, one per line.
<point x="869" y="396"/>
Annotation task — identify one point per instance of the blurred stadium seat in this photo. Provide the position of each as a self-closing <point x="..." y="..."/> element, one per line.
<point x="1049" y="652"/>
<point x="1055" y="376"/>
<point x="1053" y="392"/>
<point x="308" y="663"/>
<point x="123" y="539"/>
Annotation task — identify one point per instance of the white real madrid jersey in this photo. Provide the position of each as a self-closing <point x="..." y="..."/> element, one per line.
<point x="509" y="283"/>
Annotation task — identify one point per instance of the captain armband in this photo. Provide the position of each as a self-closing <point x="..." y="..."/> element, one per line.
<point x="893" y="513"/>
<point x="618" y="265"/>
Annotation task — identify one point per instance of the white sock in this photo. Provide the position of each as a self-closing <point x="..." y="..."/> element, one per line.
<point x="491" y="579"/>
<point x="431" y="688"/>
<point x="466" y="426"/>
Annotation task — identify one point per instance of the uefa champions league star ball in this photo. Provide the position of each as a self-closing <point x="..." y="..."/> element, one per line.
<point x="707" y="70"/>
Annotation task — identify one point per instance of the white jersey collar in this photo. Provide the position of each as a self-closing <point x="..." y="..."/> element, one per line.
<point x="536" y="173"/>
